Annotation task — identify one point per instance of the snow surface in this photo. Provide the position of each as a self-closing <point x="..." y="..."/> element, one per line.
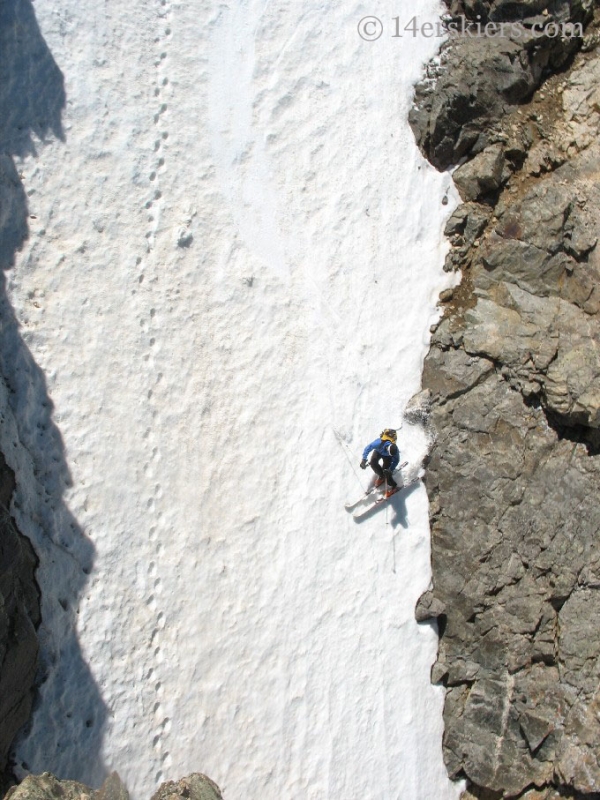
<point x="236" y="253"/>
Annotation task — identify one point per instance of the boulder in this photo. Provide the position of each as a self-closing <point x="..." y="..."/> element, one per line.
<point x="482" y="176"/>
<point x="194" y="787"/>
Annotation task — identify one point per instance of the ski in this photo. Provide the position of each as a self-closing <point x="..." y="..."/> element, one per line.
<point x="366" y="495"/>
<point x="381" y="499"/>
<point x="363" y="513"/>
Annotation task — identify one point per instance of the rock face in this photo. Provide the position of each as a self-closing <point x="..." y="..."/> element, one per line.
<point x="480" y="79"/>
<point x="19" y="618"/>
<point x="47" y="787"/>
<point x="514" y="383"/>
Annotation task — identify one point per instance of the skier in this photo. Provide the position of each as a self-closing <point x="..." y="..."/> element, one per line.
<point x="384" y="460"/>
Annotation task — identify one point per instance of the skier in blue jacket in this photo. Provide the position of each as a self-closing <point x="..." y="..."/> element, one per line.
<point x="384" y="460"/>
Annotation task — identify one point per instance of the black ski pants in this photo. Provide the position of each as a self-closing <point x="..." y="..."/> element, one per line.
<point x="381" y="467"/>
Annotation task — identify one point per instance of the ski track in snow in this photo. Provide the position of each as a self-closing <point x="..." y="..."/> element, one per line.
<point x="237" y="251"/>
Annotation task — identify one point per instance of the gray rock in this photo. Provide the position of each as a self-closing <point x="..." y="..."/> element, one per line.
<point x="428" y="607"/>
<point x="543" y="157"/>
<point x="580" y="106"/>
<point x="46" y="787"/>
<point x="513" y="476"/>
<point x="503" y="524"/>
<point x="536" y="277"/>
<point x="509" y="9"/>
<point x="481" y="79"/>
<point x="481" y="176"/>
<point x="112" y="789"/>
<point x="468" y="221"/>
<point x="529" y="267"/>
<point x="194" y="787"/>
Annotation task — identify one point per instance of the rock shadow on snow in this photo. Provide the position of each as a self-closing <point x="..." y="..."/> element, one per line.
<point x="32" y="98"/>
<point x="70" y="714"/>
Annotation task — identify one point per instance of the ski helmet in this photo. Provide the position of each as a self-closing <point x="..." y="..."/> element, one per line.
<point x="389" y="434"/>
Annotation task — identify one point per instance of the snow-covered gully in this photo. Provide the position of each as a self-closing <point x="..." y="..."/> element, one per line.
<point x="235" y="252"/>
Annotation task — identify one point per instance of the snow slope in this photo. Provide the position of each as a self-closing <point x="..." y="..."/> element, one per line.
<point x="237" y="251"/>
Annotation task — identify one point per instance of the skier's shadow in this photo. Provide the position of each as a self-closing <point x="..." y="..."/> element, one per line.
<point x="400" y="517"/>
<point x="394" y="508"/>
<point x="397" y="503"/>
<point x="71" y="715"/>
<point x="397" y="516"/>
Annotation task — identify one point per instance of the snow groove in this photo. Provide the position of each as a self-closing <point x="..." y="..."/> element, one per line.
<point x="245" y="261"/>
<point x="156" y="600"/>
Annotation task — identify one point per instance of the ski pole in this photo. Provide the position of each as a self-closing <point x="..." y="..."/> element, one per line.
<point x="387" y="511"/>
<point x="345" y="448"/>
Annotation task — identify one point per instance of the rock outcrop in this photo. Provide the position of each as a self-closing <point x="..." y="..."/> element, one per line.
<point x="194" y="787"/>
<point x="47" y="787"/>
<point x="514" y="383"/>
<point x="481" y="79"/>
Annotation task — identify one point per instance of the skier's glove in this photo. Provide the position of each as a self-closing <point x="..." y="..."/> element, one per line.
<point x="363" y="463"/>
<point x="387" y="473"/>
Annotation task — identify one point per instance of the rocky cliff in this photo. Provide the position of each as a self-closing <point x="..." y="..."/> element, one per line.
<point x="514" y="382"/>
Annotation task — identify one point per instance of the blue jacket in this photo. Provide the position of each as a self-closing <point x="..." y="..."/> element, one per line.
<point x="386" y="449"/>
